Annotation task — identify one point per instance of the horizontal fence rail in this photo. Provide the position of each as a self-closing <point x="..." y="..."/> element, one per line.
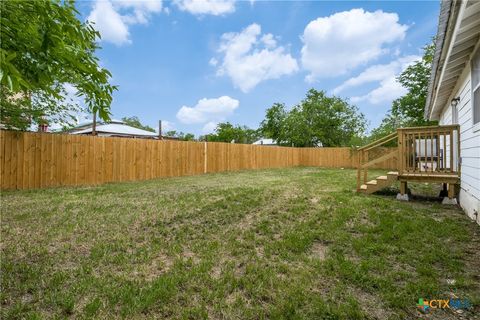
<point x="38" y="160"/>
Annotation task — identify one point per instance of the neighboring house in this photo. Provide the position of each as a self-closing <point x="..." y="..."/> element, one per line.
<point x="271" y="142"/>
<point x="266" y="142"/>
<point x="114" y="128"/>
<point x="454" y="91"/>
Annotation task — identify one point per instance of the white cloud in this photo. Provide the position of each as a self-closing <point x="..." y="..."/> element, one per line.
<point x="389" y="88"/>
<point x="250" y="58"/>
<point x="112" y="19"/>
<point x="378" y="72"/>
<point x="208" y="110"/>
<point x="209" y="127"/>
<point x="109" y="23"/>
<point x="204" y="7"/>
<point x="338" y="43"/>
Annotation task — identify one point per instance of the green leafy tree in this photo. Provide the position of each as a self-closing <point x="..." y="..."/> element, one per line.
<point x="226" y="132"/>
<point x="44" y="47"/>
<point x="273" y="124"/>
<point x="389" y="124"/>
<point x="188" y="137"/>
<point x="180" y="135"/>
<point x="318" y="119"/>
<point x="415" y="79"/>
<point x="135" y="122"/>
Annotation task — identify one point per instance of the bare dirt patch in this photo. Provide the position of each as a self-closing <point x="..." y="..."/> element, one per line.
<point x="319" y="250"/>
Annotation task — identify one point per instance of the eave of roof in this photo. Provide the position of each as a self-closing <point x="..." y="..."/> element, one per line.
<point x="458" y="36"/>
<point x="443" y="20"/>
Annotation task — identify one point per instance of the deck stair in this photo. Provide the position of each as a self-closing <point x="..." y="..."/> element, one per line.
<point x="379" y="183"/>
<point x="420" y="154"/>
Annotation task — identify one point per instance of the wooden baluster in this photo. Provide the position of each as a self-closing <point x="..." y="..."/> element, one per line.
<point x="437" y="153"/>
<point x="431" y="151"/>
<point x="459" y="164"/>
<point x="414" y="152"/>
<point x="359" y="164"/>
<point x="444" y="164"/>
<point x="451" y="151"/>
<point x="407" y="152"/>
<point x="425" y="159"/>
<point x="401" y="153"/>
<point x="412" y="142"/>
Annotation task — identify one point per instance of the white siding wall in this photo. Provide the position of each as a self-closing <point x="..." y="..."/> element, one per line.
<point x="469" y="146"/>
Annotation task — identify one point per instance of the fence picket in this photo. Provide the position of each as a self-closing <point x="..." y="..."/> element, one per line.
<point x="36" y="160"/>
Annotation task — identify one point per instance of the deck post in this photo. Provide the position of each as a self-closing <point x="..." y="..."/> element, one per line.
<point x="359" y="172"/>
<point x="451" y="190"/>
<point x="451" y="195"/>
<point x="403" y="187"/>
<point x="403" y="195"/>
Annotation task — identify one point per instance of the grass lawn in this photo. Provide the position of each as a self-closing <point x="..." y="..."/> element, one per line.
<point x="287" y="243"/>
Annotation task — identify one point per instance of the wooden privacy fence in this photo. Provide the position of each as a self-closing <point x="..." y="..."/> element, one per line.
<point x="37" y="160"/>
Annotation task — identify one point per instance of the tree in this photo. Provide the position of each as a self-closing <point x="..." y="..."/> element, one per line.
<point x="415" y="79"/>
<point x="44" y="47"/>
<point x="318" y="119"/>
<point x="389" y="124"/>
<point x="272" y="125"/>
<point x="135" y="122"/>
<point x="180" y="135"/>
<point x="226" y="132"/>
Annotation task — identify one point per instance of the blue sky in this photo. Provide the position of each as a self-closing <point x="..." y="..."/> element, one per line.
<point x="196" y="63"/>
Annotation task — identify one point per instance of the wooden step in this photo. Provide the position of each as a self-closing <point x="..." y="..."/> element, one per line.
<point x="379" y="183"/>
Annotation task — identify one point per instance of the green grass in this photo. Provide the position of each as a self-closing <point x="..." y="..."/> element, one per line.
<point x="278" y="244"/>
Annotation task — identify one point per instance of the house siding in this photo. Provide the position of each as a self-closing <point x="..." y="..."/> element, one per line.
<point x="469" y="197"/>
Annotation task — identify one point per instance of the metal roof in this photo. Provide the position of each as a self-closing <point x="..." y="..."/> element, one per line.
<point x="90" y="123"/>
<point x="118" y="129"/>
<point x="265" y="142"/>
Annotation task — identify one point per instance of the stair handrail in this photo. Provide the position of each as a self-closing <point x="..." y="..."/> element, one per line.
<point x="380" y="141"/>
<point x="364" y="163"/>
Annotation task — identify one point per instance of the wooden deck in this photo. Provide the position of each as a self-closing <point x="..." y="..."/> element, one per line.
<point x="424" y="154"/>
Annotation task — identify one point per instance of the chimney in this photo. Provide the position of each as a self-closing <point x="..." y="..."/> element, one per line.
<point x="160" y="129"/>
<point x="42" y="125"/>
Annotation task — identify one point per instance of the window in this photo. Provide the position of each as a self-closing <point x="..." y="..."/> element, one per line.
<point x="476" y="87"/>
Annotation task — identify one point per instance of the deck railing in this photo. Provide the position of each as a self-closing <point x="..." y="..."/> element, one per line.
<point x="421" y="151"/>
<point x="429" y="150"/>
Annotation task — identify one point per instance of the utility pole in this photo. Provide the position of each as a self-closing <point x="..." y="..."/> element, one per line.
<point x="160" y="130"/>
<point x="94" y="127"/>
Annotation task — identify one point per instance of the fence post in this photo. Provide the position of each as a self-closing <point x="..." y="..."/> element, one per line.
<point x="205" y="157"/>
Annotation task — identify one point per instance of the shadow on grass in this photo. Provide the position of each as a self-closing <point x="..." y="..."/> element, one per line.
<point x="415" y="195"/>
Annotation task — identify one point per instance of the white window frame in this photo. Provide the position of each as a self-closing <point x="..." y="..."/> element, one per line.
<point x="475" y="55"/>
